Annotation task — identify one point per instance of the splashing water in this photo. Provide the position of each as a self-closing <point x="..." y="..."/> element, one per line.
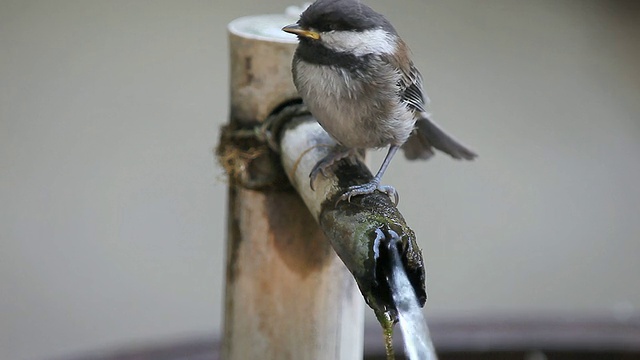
<point x="417" y="340"/>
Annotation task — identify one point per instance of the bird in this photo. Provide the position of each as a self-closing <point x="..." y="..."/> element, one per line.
<point x="356" y="76"/>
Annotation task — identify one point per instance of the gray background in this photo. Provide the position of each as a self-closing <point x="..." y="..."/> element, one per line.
<point x="112" y="206"/>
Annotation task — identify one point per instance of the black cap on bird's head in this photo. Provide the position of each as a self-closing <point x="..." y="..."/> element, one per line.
<point x="338" y="15"/>
<point x="328" y="15"/>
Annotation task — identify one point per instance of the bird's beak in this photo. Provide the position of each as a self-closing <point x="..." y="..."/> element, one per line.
<point x="297" y="30"/>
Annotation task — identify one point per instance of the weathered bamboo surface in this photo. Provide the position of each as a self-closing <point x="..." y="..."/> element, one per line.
<point x="288" y="296"/>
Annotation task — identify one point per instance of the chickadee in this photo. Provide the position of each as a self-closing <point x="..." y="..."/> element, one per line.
<point x="356" y="76"/>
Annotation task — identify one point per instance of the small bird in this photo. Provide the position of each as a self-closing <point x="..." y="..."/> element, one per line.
<point x="356" y="76"/>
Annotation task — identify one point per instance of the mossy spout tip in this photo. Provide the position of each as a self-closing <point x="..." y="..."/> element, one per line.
<point x="361" y="232"/>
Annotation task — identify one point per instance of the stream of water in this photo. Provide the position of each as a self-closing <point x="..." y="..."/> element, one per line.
<point x="417" y="340"/>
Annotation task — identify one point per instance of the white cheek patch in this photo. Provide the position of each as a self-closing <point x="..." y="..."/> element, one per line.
<point x="376" y="41"/>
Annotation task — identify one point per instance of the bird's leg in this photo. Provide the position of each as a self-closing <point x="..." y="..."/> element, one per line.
<point x="336" y="154"/>
<point x="374" y="184"/>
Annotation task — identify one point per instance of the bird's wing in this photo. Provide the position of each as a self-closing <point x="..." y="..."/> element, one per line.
<point x="411" y="89"/>
<point x="410" y="83"/>
<point x="427" y="135"/>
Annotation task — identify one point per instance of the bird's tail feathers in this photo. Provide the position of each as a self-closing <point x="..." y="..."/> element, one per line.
<point x="427" y="135"/>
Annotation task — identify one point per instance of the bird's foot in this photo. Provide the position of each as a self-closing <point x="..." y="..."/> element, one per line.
<point x="370" y="188"/>
<point x="337" y="153"/>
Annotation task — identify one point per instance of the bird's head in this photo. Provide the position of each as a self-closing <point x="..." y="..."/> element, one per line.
<point x="345" y="26"/>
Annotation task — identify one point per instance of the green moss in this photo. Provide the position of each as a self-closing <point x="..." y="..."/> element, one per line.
<point x="385" y="320"/>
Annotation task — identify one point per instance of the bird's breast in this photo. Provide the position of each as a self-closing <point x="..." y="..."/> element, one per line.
<point x="357" y="110"/>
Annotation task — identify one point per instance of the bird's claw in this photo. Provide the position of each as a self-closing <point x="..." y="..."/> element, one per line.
<point x="318" y="169"/>
<point x="327" y="162"/>
<point x="369" y="188"/>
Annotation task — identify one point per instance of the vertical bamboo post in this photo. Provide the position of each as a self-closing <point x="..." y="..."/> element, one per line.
<point x="288" y="296"/>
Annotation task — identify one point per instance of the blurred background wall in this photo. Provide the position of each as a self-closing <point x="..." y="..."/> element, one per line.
<point x="112" y="205"/>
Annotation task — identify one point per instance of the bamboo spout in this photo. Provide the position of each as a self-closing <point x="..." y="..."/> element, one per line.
<point x="360" y="230"/>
